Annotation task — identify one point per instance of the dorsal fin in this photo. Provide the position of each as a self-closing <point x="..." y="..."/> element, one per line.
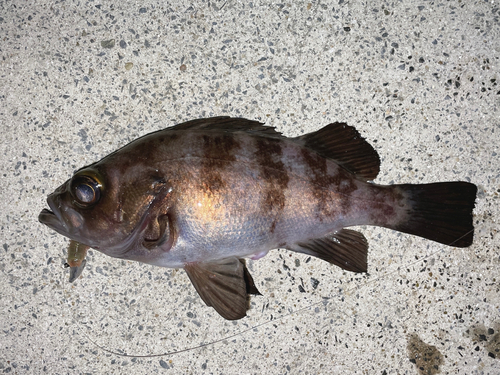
<point x="343" y="143"/>
<point x="228" y="124"/>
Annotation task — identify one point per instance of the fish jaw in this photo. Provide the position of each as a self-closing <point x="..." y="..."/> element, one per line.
<point x="49" y="218"/>
<point x="60" y="218"/>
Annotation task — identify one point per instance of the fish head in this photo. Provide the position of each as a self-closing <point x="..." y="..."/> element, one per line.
<point x="110" y="209"/>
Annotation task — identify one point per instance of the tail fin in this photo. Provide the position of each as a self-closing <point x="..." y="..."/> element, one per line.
<point x="440" y="212"/>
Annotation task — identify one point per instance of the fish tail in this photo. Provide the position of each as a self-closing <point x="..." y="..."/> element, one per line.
<point x="441" y="212"/>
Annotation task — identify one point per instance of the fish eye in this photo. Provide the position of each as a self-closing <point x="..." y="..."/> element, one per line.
<point x="86" y="190"/>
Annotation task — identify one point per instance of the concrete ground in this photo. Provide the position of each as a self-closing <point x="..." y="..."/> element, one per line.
<point x="419" y="79"/>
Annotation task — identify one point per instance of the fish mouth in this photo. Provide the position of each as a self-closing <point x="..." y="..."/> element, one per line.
<point x="48" y="218"/>
<point x="53" y="219"/>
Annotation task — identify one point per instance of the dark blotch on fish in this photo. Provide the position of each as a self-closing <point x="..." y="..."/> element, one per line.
<point x="273" y="172"/>
<point x="217" y="154"/>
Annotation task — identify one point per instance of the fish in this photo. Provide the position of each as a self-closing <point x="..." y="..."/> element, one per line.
<point x="207" y="194"/>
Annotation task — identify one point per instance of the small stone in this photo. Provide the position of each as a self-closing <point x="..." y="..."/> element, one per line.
<point x="108" y="43"/>
<point x="314" y="283"/>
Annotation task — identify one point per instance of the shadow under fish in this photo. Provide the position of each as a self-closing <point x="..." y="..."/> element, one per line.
<point x="206" y="194"/>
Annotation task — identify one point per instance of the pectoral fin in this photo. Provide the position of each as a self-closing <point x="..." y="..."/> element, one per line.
<point x="345" y="248"/>
<point x="224" y="285"/>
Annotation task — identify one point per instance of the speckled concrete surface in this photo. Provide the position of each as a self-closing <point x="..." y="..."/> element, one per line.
<point x="418" y="79"/>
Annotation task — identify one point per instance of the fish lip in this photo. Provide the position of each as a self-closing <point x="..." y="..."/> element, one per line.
<point x="52" y="218"/>
<point x="45" y="212"/>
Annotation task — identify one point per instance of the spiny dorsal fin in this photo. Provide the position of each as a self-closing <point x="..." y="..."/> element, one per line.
<point x="228" y="124"/>
<point x="343" y="143"/>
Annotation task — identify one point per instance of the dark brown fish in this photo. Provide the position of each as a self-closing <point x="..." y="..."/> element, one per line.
<point x="205" y="194"/>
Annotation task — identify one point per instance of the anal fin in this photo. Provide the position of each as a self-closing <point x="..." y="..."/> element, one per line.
<point x="223" y="285"/>
<point x="345" y="248"/>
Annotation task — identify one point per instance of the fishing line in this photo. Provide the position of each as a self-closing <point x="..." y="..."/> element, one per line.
<point x="281" y="317"/>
